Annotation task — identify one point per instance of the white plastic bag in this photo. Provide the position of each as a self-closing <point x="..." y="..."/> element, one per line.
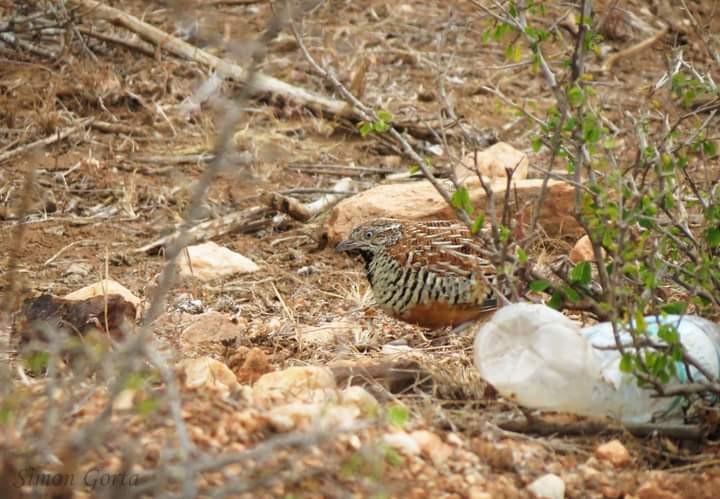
<point x="543" y="360"/>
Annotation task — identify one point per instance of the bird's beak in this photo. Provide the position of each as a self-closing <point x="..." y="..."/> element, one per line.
<point x="348" y="245"/>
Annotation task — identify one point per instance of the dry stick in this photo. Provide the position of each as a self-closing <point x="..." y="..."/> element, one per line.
<point x="633" y="50"/>
<point x="246" y="220"/>
<point x="343" y="169"/>
<point x="232" y="2"/>
<point x="11" y="39"/>
<point x="60" y="135"/>
<point x="118" y="128"/>
<point x="174" y="160"/>
<point x="124" y="42"/>
<point x="286" y="204"/>
<point x="262" y="83"/>
<point x="545" y="428"/>
<point x="304" y="212"/>
<point x="251" y="219"/>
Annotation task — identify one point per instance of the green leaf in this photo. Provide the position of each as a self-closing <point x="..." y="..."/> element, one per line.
<point x="581" y="273"/>
<point x="386" y="116"/>
<point x="710" y="148"/>
<point x="413" y="169"/>
<point x="713" y="237"/>
<point x="556" y="301"/>
<point x="576" y="96"/>
<point x="37" y="362"/>
<point x="539" y="285"/>
<point x="640" y="323"/>
<point x="504" y="233"/>
<point x="477" y="224"/>
<point x="609" y="143"/>
<point x="380" y="126"/>
<point x="571" y="294"/>
<point x="365" y="128"/>
<point x="536" y="144"/>
<point x="514" y="52"/>
<point x="669" y="334"/>
<point x="485" y="36"/>
<point x="5" y="414"/>
<point x="521" y="256"/>
<point x="352" y="465"/>
<point x="675" y="308"/>
<point x="134" y="382"/>
<point x="393" y="457"/>
<point x="676" y="353"/>
<point x="591" y="128"/>
<point x="145" y="407"/>
<point x="500" y="30"/>
<point x="398" y="415"/>
<point x="461" y="200"/>
<point x="626" y="363"/>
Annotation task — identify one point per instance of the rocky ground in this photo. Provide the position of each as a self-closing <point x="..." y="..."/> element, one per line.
<point x="284" y="365"/>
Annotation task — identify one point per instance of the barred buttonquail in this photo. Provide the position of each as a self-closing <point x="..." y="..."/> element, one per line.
<point x="426" y="273"/>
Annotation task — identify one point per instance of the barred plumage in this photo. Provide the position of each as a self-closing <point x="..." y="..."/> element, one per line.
<point x="428" y="273"/>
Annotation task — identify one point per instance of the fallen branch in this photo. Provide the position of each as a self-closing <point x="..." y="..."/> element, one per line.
<point x="262" y="84"/>
<point x="286" y="204"/>
<point x="344" y="170"/>
<point x="547" y="428"/>
<point x="13" y="41"/>
<point x="60" y="135"/>
<point x="328" y="200"/>
<point x="123" y="42"/>
<point x="243" y="221"/>
<point x="174" y="160"/>
<point x="118" y="128"/>
<point x="251" y="219"/>
<point x="315" y="207"/>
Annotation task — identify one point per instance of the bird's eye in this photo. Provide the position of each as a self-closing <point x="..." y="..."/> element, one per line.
<point x="369" y="234"/>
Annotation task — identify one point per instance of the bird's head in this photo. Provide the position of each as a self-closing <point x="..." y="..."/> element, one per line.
<point x="368" y="238"/>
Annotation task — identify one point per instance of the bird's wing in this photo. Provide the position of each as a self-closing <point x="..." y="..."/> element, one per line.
<point x="441" y="246"/>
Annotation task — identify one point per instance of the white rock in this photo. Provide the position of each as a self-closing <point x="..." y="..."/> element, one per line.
<point x="104" y="287"/>
<point x="309" y="383"/>
<point x="548" y="486"/>
<point x="403" y="442"/>
<point x="288" y="416"/>
<point x="206" y="372"/>
<point x="432" y="446"/>
<point x="209" y="261"/>
<point x="124" y="400"/>
<point x="360" y="398"/>
<point x="613" y="452"/>
<point x="297" y="415"/>
<point x="492" y="163"/>
<point x="328" y="334"/>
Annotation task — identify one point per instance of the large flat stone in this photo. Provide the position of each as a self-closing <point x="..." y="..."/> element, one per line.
<point x="420" y="201"/>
